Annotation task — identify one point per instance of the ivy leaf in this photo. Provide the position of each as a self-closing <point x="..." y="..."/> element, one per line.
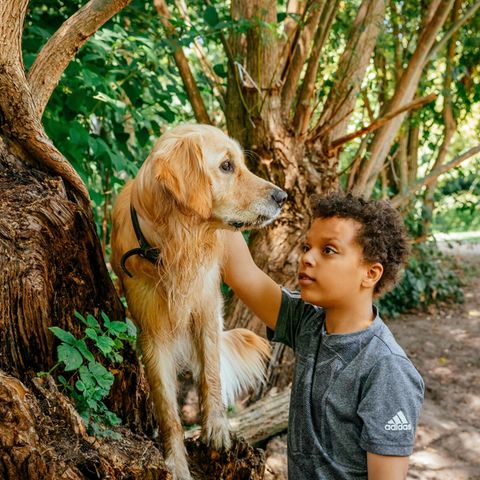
<point x="70" y="356"/>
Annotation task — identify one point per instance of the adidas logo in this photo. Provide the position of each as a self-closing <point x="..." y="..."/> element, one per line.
<point x="398" y="422"/>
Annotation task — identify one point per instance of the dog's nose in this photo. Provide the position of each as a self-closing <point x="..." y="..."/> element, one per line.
<point x="279" y="196"/>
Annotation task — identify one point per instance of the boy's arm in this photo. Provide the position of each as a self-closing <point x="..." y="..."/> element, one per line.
<point x="253" y="286"/>
<point x="381" y="467"/>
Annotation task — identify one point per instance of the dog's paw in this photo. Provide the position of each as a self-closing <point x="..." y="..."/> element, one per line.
<point x="216" y="433"/>
<point x="178" y="467"/>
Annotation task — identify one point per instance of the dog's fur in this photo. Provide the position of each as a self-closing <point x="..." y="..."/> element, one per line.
<point x="185" y="195"/>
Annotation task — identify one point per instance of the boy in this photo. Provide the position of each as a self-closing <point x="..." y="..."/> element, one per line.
<point x="356" y="397"/>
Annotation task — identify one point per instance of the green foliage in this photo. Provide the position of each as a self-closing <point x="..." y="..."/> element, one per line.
<point x="458" y="200"/>
<point x="89" y="382"/>
<point x="115" y="97"/>
<point x="428" y="279"/>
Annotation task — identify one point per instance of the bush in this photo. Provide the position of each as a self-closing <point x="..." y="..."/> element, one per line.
<point x="89" y="381"/>
<point x="428" y="278"/>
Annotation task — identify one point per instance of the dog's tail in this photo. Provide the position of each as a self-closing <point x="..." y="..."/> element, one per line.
<point x="242" y="362"/>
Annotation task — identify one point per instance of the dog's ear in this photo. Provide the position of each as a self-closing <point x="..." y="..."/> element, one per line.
<point x="180" y="168"/>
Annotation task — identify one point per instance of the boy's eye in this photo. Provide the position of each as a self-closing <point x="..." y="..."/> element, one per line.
<point x="329" y="250"/>
<point x="305" y="248"/>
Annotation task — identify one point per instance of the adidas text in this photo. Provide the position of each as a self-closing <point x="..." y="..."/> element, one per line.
<point x="398" y="427"/>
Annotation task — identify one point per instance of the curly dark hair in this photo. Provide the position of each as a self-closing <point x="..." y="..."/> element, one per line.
<point x="382" y="235"/>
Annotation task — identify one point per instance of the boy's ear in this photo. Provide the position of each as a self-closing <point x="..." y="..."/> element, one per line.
<point x="373" y="274"/>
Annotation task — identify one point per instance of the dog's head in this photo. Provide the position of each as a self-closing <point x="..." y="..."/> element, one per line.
<point x="204" y="171"/>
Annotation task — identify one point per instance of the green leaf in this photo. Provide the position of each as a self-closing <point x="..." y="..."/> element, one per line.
<point x="117" y="326"/>
<point x="219" y="69"/>
<point x="80" y="317"/>
<point x="70" y="356"/>
<point x="63" y="335"/>
<point x="103" y="377"/>
<point x="105" y="344"/>
<point x="92" y="322"/>
<point x="87" y="377"/>
<point x="112" y="419"/>
<point x="111" y="101"/>
<point x="80" y="385"/>
<point x="211" y="16"/>
<point x="83" y="349"/>
<point x="91" y="333"/>
<point x="131" y="328"/>
<point x="106" y="320"/>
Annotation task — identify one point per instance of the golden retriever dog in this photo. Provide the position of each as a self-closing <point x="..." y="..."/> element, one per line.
<point x="167" y="249"/>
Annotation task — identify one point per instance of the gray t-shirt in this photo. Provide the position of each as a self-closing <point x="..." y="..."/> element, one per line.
<point x="351" y="394"/>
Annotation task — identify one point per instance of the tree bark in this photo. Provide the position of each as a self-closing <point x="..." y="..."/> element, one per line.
<point x="50" y="255"/>
<point x="43" y="438"/>
<point x="52" y="265"/>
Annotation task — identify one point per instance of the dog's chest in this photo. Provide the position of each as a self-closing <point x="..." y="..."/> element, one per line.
<point x="205" y="284"/>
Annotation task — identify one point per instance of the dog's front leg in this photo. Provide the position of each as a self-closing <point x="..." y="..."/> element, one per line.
<point x="215" y="430"/>
<point x="162" y="377"/>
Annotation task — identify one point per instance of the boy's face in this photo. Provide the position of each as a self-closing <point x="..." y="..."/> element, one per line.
<point x="332" y="270"/>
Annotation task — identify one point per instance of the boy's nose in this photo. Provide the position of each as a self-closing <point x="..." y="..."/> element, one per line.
<point x="306" y="259"/>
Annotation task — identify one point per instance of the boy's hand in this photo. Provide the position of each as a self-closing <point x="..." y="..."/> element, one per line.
<point x="253" y="286"/>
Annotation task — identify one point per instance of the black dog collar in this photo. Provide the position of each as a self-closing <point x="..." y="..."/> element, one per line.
<point x="145" y="250"/>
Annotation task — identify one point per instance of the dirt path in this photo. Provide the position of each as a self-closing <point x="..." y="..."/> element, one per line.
<point x="445" y="347"/>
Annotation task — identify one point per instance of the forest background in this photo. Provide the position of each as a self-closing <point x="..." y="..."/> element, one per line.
<point x="381" y="98"/>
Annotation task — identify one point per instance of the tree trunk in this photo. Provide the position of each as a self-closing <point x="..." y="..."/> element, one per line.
<point x="52" y="265"/>
<point x="43" y="438"/>
<point x="294" y="159"/>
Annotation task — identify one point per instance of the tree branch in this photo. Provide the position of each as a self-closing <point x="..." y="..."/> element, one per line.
<point x="303" y="110"/>
<point x="20" y="122"/>
<point x="433" y="175"/>
<point x="379" y="122"/>
<point x="299" y="52"/>
<point x="452" y="30"/>
<point x="60" y="49"/>
<point x="213" y="79"/>
<point x="181" y="61"/>
<point x="404" y="92"/>
<point x="350" y="72"/>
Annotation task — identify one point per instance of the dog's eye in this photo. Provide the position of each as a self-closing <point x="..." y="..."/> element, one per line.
<point x="227" y="166"/>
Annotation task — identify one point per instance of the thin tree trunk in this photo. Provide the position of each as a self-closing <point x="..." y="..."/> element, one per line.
<point x="404" y="93"/>
<point x="450" y="128"/>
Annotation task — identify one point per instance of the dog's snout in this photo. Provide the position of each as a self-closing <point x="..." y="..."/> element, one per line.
<point x="279" y="196"/>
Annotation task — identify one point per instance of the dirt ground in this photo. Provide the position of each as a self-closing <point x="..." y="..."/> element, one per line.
<point x="444" y="345"/>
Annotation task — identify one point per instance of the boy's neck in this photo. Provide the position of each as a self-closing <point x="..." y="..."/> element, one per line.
<point x="349" y="319"/>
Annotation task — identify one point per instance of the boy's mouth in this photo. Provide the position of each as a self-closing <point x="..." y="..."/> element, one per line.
<point x="304" y="279"/>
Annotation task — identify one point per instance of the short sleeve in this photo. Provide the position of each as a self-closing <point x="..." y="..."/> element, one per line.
<point x="390" y="406"/>
<point x="292" y="314"/>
